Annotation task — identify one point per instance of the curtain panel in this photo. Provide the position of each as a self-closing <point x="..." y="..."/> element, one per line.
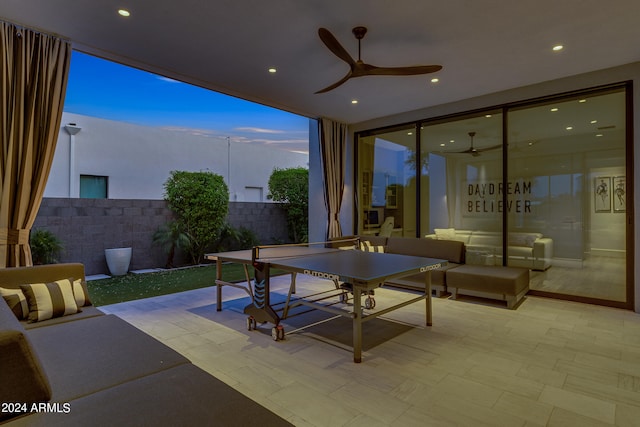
<point x="34" y="71"/>
<point x="333" y="136"/>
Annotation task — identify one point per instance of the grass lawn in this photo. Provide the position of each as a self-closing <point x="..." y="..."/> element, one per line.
<point x="138" y="286"/>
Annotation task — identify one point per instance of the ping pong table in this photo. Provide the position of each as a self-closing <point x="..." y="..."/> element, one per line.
<point x="352" y="271"/>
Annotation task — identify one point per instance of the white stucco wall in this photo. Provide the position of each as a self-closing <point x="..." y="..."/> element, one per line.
<point x="138" y="160"/>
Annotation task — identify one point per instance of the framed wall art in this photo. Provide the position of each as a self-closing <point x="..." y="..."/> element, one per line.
<point x="619" y="192"/>
<point x="602" y="193"/>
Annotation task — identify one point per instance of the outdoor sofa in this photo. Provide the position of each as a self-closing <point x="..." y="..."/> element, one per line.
<point x="508" y="284"/>
<point x="451" y="251"/>
<point x="89" y="368"/>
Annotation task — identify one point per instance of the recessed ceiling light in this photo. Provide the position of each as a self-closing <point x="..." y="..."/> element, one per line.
<point x="124" y="12"/>
<point x="435" y="80"/>
<point x="354" y="101"/>
<point x="452" y="141"/>
<point x="272" y="70"/>
<point x="598" y="135"/>
<point x="569" y="127"/>
<point x="488" y="116"/>
<point x="558" y="48"/>
<point x="594" y="122"/>
<point x="442" y="145"/>
<point x="582" y="100"/>
<point x="554" y="109"/>
<point x="409" y="133"/>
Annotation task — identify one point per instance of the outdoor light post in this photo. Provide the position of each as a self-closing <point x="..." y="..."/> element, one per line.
<point x="72" y="129"/>
<point x="229" y="162"/>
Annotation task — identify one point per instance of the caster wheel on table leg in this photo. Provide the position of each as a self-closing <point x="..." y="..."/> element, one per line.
<point x="344" y="298"/>
<point x="277" y="333"/>
<point x="251" y="324"/>
<point x="369" y="303"/>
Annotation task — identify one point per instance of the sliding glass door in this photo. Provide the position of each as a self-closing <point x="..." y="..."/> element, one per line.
<point x="543" y="184"/>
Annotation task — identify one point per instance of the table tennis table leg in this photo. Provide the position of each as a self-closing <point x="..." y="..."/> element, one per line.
<point x="219" y="284"/>
<point x="428" y="298"/>
<point x="357" y="324"/>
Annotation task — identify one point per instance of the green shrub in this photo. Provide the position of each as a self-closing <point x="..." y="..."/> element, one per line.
<point x="45" y="247"/>
<point x="233" y="239"/>
<point x="200" y="201"/>
<point x="290" y="187"/>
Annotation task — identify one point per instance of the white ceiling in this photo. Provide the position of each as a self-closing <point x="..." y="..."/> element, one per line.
<point x="228" y="45"/>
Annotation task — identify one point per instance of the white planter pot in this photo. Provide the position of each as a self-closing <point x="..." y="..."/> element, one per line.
<point x="118" y="260"/>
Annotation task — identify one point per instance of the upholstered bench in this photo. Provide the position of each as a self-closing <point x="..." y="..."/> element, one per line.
<point x="509" y="284"/>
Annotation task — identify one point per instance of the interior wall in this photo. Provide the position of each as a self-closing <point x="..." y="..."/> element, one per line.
<point x="630" y="72"/>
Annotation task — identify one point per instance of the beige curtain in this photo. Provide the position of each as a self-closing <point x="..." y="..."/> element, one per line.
<point x="333" y="137"/>
<point x="32" y="88"/>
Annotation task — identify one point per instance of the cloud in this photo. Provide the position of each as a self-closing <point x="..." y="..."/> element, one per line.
<point x="258" y="130"/>
<point x="296" y="145"/>
<point x="194" y="131"/>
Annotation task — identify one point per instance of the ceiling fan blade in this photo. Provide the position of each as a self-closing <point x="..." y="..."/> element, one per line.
<point x="493" y="147"/>
<point x="402" y="71"/>
<point x="336" y="84"/>
<point x="359" y="68"/>
<point x="334" y="46"/>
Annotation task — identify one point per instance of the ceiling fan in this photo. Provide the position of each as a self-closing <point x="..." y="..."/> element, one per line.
<point x="476" y="151"/>
<point x="359" y="68"/>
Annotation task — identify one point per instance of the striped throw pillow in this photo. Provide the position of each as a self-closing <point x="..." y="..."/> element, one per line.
<point x="366" y="246"/>
<point x="17" y="302"/>
<point x="49" y="300"/>
<point x="80" y="292"/>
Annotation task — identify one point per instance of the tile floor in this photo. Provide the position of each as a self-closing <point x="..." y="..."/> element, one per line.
<point x="548" y="363"/>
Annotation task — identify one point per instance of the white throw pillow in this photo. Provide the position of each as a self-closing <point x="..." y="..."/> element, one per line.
<point x="445" y="233"/>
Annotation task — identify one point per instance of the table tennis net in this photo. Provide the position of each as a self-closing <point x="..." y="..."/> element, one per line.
<point x="270" y="252"/>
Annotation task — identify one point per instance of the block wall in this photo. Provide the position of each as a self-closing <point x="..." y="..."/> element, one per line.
<point x="87" y="227"/>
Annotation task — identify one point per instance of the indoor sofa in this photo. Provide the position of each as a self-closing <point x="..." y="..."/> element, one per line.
<point x="529" y="250"/>
<point x="89" y="368"/>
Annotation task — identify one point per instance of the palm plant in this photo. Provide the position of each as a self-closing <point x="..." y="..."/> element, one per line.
<point x="170" y="237"/>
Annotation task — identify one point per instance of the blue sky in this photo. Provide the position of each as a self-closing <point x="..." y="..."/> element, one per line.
<point x="108" y="90"/>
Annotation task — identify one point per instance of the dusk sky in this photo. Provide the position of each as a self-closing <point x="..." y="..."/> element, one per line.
<point x="108" y="90"/>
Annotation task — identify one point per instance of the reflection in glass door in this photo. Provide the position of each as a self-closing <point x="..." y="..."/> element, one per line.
<point x="462" y="186"/>
<point x="387" y="183"/>
<point x="571" y="155"/>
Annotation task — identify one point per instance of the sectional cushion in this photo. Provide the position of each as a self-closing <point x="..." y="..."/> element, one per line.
<point x="96" y="353"/>
<point x="450" y="250"/>
<point x="17" y="302"/>
<point x="184" y="395"/>
<point x="22" y="376"/>
<point x="48" y="300"/>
